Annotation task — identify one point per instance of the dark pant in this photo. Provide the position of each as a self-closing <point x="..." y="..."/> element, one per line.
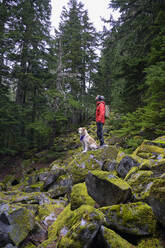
<point x="100" y="132"/>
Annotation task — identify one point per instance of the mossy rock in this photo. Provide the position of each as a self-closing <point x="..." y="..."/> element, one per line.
<point x="61" y="186"/>
<point x="15" y="197"/>
<point x="16" y="223"/>
<point x="125" y="165"/>
<point x="79" y="196"/>
<point x="140" y="182"/>
<point x="91" y="160"/>
<point x="7" y="182"/>
<point x="156" y="199"/>
<point x="50" y="177"/>
<point x="156" y="166"/>
<point x="133" y="218"/>
<point x="2" y="187"/>
<point x="120" y="155"/>
<point x="150" y="243"/>
<point x="47" y="213"/>
<point x="111" y="239"/>
<point x="74" y="229"/>
<point x="30" y="245"/>
<point x="153" y="149"/>
<point x="38" y="187"/>
<point x="132" y="171"/>
<point x="80" y="166"/>
<point x="110" y="165"/>
<point x="107" y="189"/>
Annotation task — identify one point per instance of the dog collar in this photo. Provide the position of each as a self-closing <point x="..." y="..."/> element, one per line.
<point x="81" y="138"/>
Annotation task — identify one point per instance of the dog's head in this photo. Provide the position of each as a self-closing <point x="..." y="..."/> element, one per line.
<point x="82" y="131"/>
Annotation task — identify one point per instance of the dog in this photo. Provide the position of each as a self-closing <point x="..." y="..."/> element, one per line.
<point x="87" y="141"/>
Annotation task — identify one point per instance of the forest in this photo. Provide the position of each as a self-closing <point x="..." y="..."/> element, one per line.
<point x="48" y="83"/>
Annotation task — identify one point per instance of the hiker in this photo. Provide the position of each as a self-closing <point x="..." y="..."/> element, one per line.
<point x="100" y="118"/>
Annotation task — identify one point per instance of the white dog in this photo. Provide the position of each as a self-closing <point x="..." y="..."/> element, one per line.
<point x="86" y="139"/>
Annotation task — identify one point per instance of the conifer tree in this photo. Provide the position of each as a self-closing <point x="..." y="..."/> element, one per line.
<point x="25" y="33"/>
<point x="77" y="42"/>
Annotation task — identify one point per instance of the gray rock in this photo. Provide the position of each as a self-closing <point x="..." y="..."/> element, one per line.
<point x="15" y="224"/>
<point x="107" y="189"/>
<point x="108" y="238"/>
<point x="156" y="199"/>
<point x="133" y="218"/>
<point x="109" y="166"/>
<point x="125" y="166"/>
<point x="61" y="186"/>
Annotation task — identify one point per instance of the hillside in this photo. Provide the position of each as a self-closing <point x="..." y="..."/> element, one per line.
<point x="103" y="198"/>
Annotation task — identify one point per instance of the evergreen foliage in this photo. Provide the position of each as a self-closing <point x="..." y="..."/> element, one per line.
<point x="133" y="55"/>
<point x="48" y="84"/>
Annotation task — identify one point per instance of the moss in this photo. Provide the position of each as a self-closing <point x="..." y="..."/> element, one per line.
<point x="21" y="221"/>
<point x="85" y="223"/>
<point x="69" y="222"/>
<point x="140" y="183"/>
<point x="154" y="165"/>
<point x="47" y="209"/>
<point x="135" y="218"/>
<point x="48" y="244"/>
<point x="158" y="189"/>
<point x="111" y="178"/>
<point x="120" y="155"/>
<point x="35" y="187"/>
<point x="145" y="155"/>
<point x="131" y="172"/>
<point x="80" y="166"/>
<point x="79" y="196"/>
<point x="150" y="243"/>
<point x="114" y="240"/>
<point x="67" y="242"/>
<point x="59" y="223"/>
<point x="30" y="245"/>
<point x="149" y="147"/>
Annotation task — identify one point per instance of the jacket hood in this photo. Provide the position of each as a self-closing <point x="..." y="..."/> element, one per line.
<point x="98" y="102"/>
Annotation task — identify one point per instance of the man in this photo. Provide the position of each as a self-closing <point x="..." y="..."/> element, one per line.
<point x="100" y="118"/>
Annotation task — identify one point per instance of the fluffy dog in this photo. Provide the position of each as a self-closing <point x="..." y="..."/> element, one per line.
<point x="86" y="139"/>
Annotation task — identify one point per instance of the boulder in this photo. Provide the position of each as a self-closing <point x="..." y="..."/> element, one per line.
<point x="50" y="177"/>
<point x="156" y="199"/>
<point x="79" y="196"/>
<point x="80" y="166"/>
<point x="74" y="229"/>
<point x="107" y="189"/>
<point x="108" y="238"/>
<point x="150" y="243"/>
<point x="91" y="160"/>
<point x="133" y="218"/>
<point x="48" y="213"/>
<point x="156" y="166"/>
<point x="125" y="165"/>
<point x="62" y="186"/>
<point x="140" y="182"/>
<point x="151" y="149"/>
<point x="38" y="187"/>
<point x="110" y="165"/>
<point x="15" y="224"/>
<point x="14" y="197"/>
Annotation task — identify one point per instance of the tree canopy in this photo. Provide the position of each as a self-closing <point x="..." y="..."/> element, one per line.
<point x="48" y="83"/>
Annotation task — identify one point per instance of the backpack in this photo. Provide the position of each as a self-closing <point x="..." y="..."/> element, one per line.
<point x="107" y="111"/>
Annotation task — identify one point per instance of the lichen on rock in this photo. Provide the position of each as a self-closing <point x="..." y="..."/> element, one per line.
<point x="133" y="218"/>
<point x="107" y="189"/>
<point x="79" y="196"/>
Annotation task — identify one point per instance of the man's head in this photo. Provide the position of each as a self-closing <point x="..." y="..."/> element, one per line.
<point x="99" y="98"/>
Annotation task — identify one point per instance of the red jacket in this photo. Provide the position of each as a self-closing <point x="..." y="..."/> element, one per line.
<point x="100" y="111"/>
